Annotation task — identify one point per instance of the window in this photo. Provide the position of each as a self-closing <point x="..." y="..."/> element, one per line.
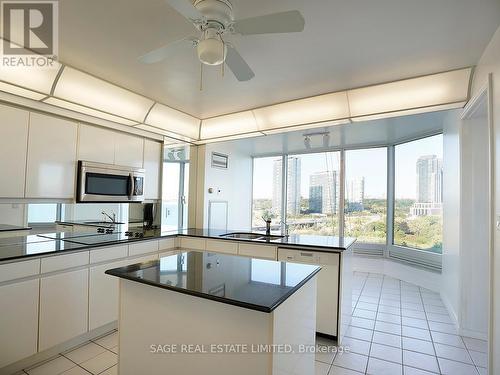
<point x="312" y="202"/>
<point x="267" y="183"/>
<point x="419" y="194"/>
<point x="366" y="195"/>
<point x="175" y="186"/>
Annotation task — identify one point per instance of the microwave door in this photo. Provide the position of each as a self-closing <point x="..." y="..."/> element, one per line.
<point x="106" y="187"/>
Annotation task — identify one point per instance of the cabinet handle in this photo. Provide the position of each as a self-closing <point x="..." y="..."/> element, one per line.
<point x="306" y="254"/>
<point x="289" y="257"/>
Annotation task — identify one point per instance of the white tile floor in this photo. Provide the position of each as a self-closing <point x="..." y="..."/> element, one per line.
<point x="397" y="328"/>
<point x="94" y="357"/>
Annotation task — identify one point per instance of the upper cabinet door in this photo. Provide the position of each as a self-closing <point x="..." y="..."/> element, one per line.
<point x="13" y="145"/>
<point x="152" y="165"/>
<point x="128" y="150"/>
<point x="96" y="144"/>
<point x="51" y="157"/>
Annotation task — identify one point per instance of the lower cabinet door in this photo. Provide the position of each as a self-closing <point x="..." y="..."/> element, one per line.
<point x="63" y="307"/>
<point x="18" y="321"/>
<point x="103" y="295"/>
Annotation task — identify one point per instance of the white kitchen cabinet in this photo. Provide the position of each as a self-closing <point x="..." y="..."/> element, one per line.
<point x="96" y="144"/>
<point x="152" y="165"/>
<point x="63" y="307"/>
<point x="13" y="145"/>
<point x="103" y="295"/>
<point x="18" y="321"/>
<point x="257" y="251"/>
<point x="51" y="165"/>
<point x="129" y="150"/>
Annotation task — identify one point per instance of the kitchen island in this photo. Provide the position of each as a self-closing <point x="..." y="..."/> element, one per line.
<point x="205" y="313"/>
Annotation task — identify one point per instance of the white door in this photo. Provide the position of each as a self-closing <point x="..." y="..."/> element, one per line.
<point x="63" y="307"/>
<point x="18" y="321"/>
<point x="51" y="157"/>
<point x="13" y="144"/>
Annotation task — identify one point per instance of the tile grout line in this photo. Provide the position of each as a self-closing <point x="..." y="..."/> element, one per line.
<point x="373" y="332"/>
<point x="429" y="328"/>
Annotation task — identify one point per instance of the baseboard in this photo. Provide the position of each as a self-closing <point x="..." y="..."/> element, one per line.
<point x="54" y="351"/>
<point x="451" y="311"/>
<point x="411" y="274"/>
<point x="473" y="334"/>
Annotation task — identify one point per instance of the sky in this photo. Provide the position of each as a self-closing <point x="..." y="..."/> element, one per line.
<point x="368" y="163"/>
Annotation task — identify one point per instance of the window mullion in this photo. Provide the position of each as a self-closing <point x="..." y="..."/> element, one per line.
<point x="341" y="214"/>
<point x="390" y="199"/>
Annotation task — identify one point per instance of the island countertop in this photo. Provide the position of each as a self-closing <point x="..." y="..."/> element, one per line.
<point x="255" y="284"/>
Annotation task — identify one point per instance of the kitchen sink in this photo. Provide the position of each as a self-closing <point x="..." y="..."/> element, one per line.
<point x="252" y="236"/>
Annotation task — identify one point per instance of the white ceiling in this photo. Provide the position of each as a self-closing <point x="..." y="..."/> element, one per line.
<point x="346" y="43"/>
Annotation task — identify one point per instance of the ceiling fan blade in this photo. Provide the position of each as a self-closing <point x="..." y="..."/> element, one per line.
<point x="238" y="66"/>
<point x="186" y="8"/>
<point x="169" y="49"/>
<point x="284" y="22"/>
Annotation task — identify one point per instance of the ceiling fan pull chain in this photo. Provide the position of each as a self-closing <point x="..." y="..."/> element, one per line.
<point x="223" y="57"/>
<point x="201" y="76"/>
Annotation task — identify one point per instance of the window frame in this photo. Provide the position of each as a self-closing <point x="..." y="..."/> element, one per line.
<point x="415" y="257"/>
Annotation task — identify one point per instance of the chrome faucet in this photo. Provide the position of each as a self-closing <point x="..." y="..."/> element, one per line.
<point x="268" y="226"/>
<point x="112" y="218"/>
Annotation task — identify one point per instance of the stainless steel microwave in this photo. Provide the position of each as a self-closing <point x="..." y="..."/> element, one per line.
<point x="99" y="182"/>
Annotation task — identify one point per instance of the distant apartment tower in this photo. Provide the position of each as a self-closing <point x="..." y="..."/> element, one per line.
<point x="323" y="192"/>
<point x="293" y="185"/>
<point x="355" y="194"/>
<point x="315" y="199"/>
<point x="429" y="186"/>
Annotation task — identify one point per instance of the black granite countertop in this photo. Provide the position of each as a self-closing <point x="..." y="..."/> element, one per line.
<point x="250" y="283"/>
<point x="9" y="228"/>
<point x="15" y="248"/>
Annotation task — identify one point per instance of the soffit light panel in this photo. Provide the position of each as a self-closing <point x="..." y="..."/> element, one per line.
<point x="312" y="110"/>
<point x="88" y="111"/>
<point x="174" y="121"/>
<point x="81" y="88"/>
<point x="230" y="138"/>
<point x="305" y="127"/>
<point x="409" y="112"/>
<point x="165" y="133"/>
<point x="39" y="79"/>
<point x="19" y="91"/>
<point x="227" y="125"/>
<point x="437" y="89"/>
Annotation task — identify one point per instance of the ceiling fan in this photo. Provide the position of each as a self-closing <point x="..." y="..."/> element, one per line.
<point x="214" y="21"/>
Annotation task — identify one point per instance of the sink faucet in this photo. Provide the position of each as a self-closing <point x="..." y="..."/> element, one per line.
<point x="112" y="218"/>
<point x="268" y="226"/>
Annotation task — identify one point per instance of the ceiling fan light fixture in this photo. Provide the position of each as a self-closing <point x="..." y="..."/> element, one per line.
<point x="211" y="51"/>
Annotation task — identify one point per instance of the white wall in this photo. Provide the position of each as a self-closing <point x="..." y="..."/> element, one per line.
<point x="490" y="63"/>
<point x="234" y="183"/>
<point x="450" y="288"/>
<point x="474" y="239"/>
<point x="12" y="214"/>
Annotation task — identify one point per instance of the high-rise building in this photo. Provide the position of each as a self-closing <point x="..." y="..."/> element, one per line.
<point x="429" y="186"/>
<point x="315" y="199"/>
<point x="293" y="185"/>
<point x="355" y="194"/>
<point x="327" y="181"/>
